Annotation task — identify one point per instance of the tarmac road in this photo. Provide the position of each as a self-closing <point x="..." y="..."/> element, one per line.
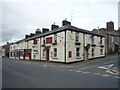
<point x="35" y="74"/>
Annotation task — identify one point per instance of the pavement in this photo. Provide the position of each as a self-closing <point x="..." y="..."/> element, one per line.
<point x="96" y="73"/>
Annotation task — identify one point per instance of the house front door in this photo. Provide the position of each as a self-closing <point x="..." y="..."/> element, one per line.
<point x="47" y="55"/>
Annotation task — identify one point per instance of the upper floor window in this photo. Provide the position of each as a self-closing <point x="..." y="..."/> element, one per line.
<point x="77" y="52"/>
<point x="77" y="37"/>
<point x="100" y="40"/>
<point x="92" y="39"/>
<point x="55" y="38"/>
<point x="13" y="46"/>
<point x="43" y="40"/>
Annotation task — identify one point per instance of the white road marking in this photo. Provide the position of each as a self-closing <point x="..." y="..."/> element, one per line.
<point x="89" y="67"/>
<point x="86" y="72"/>
<point x="96" y="73"/>
<point x="106" y="66"/>
<point x="83" y="72"/>
<point x="106" y="75"/>
<point x="116" y="77"/>
<point x="70" y="70"/>
<point x="78" y="71"/>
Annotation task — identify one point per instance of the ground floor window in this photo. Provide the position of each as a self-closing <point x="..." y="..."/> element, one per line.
<point x="21" y="53"/>
<point x="92" y="52"/>
<point x="55" y="52"/>
<point x="17" y="54"/>
<point x="43" y="53"/>
<point x="14" y="54"/>
<point x="77" y="52"/>
<point x="69" y="54"/>
<point x="10" y="54"/>
<point x="101" y="51"/>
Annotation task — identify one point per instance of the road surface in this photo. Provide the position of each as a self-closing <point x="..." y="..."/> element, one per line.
<point x="37" y="74"/>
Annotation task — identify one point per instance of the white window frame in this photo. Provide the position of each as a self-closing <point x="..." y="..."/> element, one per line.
<point x="55" y="53"/>
<point x="101" y="53"/>
<point x="76" y="37"/>
<point x="43" y="53"/>
<point x="77" y="52"/>
<point x="55" y="38"/>
<point x="92" y="39"/>
<point x="93" y="52"/>
<point x="101" y="40"/>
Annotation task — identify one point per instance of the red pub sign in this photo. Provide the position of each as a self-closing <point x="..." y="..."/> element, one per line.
<point x="48" y="40"/>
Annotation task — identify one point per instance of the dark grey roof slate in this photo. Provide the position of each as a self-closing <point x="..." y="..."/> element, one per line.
<point x="67" y="27"/>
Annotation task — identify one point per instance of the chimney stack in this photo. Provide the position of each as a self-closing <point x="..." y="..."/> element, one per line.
<point x="7" y="42"/>
<point x="32" y="34"/>
<point x="65" y="22"/>
<point x="53" y="26"/>
<point x="110" y="26"/>
<point x="37" y="31"/>
<point x="44" y="30"/>
<point x="27" y="36"/>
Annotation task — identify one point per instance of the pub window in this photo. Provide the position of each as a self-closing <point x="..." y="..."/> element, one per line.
<point x="77" y="37"/>
<point x="43" y="52"/>
<point x="92" y="39"/>
<point x="17" y="54"/>
<point x="11" y="54"/>
<point x="43" y="40"/>
<point x="69" y="54"/>
<point x="101" y="51"/>
<point x="100" y="40"/>
<point x="92" y="51"/>
<point x="77" y="52"/>
<point x="14" y="54"/>
<point x="35" y="50"/>
<point x="55" y="52"/>
<point x="55" y="38"/>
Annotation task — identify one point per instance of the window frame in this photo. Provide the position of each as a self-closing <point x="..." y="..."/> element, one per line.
<point x="43" y="53"/>
<point x="101" y="40"/>
<point x="93" y="52"/>
<point x="55" y="38"/>
<point x="101" y="51"/>
<point x="55" y="53"/>
<point x="77" y="52"/>
<point x="76" y="36"/>
<point x="92" y="39"/>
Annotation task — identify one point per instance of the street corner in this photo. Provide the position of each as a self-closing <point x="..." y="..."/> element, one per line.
<point x="114" y="71"/>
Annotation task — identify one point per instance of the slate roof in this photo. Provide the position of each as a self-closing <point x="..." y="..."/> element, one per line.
<point x="63" y="28"/>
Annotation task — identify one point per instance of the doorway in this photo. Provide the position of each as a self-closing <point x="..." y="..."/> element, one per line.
<point x="85" y="54"/>
<point x="47" y="55"/>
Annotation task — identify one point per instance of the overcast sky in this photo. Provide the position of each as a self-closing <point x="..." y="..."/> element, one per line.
<point x="20" y="17"/>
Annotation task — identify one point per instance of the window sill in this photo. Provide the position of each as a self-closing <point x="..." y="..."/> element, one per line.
<point x="54" y="57"/>
<point x="78" y="57"/>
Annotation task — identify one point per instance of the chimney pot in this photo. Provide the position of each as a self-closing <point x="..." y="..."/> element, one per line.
<point x="44" y="30"/>
<point x="65" y="22"/>
<point x="53" y="26"/>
